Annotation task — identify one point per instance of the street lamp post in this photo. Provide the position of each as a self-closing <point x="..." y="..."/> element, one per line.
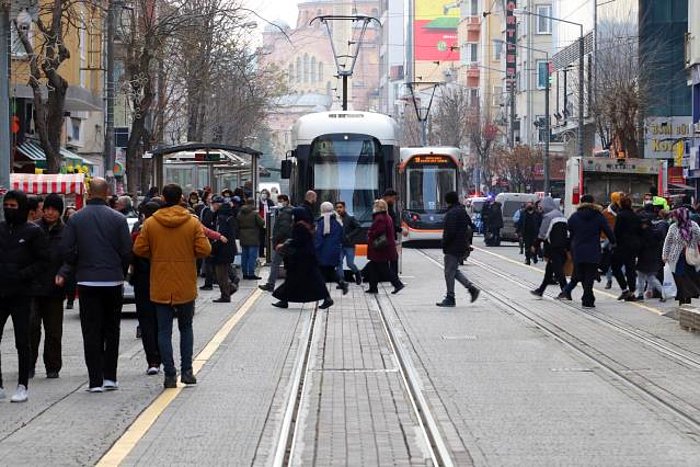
<point x="580" y="72"/>
<point x="5" y="143"/>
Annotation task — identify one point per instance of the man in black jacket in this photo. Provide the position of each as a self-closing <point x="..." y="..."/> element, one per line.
<point x="224" y="251"/>
<point x="97" y="247"/>
<point x="351" y="232"/>
<point x="454" y="245"/>
<point x="24" y="256"/>
<point x="47" y="306"/>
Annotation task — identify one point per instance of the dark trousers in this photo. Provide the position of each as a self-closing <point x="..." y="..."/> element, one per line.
<point x="628" y="279"/>
<point x="100" y="315"/>
<point x="71" y="287"/>
<point x="554" y="268"/>
<point x="378" y="270"/>
<point x="261" y="246"/>
<point x="148" y="322"/>
<point x="49" y="312"/>
<point x="18" y="307"/>
<point x="221" y="271"/>
<point x="184" y="314"/>
<point x="586" y="273"/>
<point x="209" y="273"/>
<point x="453" y="273"/>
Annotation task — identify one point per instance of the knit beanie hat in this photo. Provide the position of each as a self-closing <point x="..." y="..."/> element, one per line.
<point x="54" y="201"/>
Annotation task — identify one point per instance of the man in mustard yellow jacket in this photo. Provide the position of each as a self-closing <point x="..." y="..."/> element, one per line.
<point x="173" y="240"/>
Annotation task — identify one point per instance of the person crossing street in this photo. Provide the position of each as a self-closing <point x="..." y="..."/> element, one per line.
<point x="454" y="246"/>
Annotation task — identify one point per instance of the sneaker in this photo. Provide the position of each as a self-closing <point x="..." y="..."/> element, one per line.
<point x="373" y="291"/>
<point x="152" y="370"/>
<point x="109" y="385"/>
<point x="206" y="287"/>
<point x="608" y="285"/>
<point x="170" y="382"/>
<point x="447" y="302"/>
<point x="630" y="297"/>
<point x="588" y="306"/>
<point x="398" y="289"/>
<point x="344" y="286"/>
<point x="188" y="378"/>
<point x="21" y="394"/>
<point x="624" y="295"/>
<point x="267" y="287"/>
<point x="537" y="293"/>
<point x="222" y="300"/>
<point x="474" y="294"/>
<point x="327" y="303"/>
<point x="281" y="304"/>
<point x="564" y="296"/>
<point x="527" y="262"/>
<point x="639" y="298"/>
<point x="339" y="287"/>
<point x="2" y="393"/>
<point x="52" y="374"/>
<point x="96" y="389"/>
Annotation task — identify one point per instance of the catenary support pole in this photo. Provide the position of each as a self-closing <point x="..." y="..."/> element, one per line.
<point x="580" y="94"/>
<point x="5" y="140"/>
<point x="108" y="157"/>
<point x="548" y="132"/>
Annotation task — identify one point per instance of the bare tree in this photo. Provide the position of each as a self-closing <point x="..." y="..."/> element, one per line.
<point x="517" y="165"/>
<point x="451" y="122"/>
<point x="47" y="51"/>
<point x="482" y="137"/>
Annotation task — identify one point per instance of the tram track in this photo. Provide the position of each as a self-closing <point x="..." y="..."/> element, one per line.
<point x="643" y="385"/>
<point x="292" y="431"/>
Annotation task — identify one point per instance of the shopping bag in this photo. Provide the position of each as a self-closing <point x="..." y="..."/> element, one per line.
<point x="669" y="284"/>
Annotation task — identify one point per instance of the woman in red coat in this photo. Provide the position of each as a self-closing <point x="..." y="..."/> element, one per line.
<point x="381" y="249"/>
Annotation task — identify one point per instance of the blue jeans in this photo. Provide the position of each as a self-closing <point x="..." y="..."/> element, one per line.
<point x="166" y="314"/>
<point x="249" y="256"/>
<point x="347" y="253"/>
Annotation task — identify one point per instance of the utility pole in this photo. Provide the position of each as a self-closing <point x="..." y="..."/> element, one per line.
<point x="5" y="141"/>
<point x="581" y="50"/>
<point x="548" y="128"/>
<point x="109" y="96"/>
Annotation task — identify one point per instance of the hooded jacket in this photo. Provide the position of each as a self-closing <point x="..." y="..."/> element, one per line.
<point x="585" y="227"/>
<point x="249" y="226"/>
<point x="553" y="229"/>
<point x="25" y="253"/>
<point x="173" y="240"/>
<point x="46" y="285"/>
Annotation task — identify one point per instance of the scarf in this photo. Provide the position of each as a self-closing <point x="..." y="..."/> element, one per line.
<point x="682" y="217"/>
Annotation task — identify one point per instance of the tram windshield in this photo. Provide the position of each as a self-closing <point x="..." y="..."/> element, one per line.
<point x="347" y="168"/>
<point x="427" y="186"/>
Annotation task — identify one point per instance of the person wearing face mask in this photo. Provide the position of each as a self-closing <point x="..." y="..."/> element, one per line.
<point x="25" y="254"/>
<point x="530" y="222"/>
<point x="265" y="205"/>
<point x="281" y="232"/>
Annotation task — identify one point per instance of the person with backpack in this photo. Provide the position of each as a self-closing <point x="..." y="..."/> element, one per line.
<point x="554" y="234"/>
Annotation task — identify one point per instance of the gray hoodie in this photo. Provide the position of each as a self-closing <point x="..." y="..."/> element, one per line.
<point x="552" y="215"/>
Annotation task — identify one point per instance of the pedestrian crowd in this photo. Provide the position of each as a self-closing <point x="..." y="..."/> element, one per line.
<point x="647" y="250"/>
<point x="53" y="253"/>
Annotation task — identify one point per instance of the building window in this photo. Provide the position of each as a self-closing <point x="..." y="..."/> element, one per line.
<point x="74" y="126"/>
<point x="497" y="96"/>
<point x="16" y="47"/>
<point x="544" y="25"/>
<point x="474" y="97"/>
<point x="320" y="71"/>
<point x="497" y="49"/>
<point x="299" y="70"/>
<point x="307" y="69"/>
<point x="313" y="69"/>
<point x="290" y="73"/>
<point x="470" y="53"/>
<point x="542" y="74"/>
<point x="470" y="8"/>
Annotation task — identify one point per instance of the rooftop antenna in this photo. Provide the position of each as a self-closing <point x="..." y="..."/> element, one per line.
<point x="342" y="66"/>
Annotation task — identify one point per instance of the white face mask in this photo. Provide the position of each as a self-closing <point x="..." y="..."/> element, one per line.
<point x="263" y="196"/>
<point x="283" y="204"/>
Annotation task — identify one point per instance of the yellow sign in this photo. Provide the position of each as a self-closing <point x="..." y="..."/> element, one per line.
<point x="680" y="152"/>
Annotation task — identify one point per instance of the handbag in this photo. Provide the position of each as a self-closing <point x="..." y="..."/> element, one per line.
<point x="380" y="242"/>
<point x="692" y="255"/>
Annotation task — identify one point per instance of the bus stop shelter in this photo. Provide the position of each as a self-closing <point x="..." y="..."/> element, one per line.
<point x="217" y="158"/>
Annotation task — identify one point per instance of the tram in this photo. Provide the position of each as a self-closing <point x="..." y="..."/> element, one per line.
<point x="343" y="156"/>
<point x="426" y="174"/>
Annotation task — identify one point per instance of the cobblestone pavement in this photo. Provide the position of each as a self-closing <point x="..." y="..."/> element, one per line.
<point x="502" y="388"/>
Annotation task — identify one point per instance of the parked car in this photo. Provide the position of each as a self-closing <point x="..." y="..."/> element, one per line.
<point x="510" y="203"/>
<point x="474" y="206"/>
<point x="129" y="295"/>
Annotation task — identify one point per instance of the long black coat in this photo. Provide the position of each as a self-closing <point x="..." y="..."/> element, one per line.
<point x="628" y="230"/>
<point x="530" y="222"/>
<point x="224" y="223"/>
<point x="24" y="256"/>
<point x="304" y="282"/>
<point x="46" y="281"/>
<point x="454" y="235"/>
<point x="652" y="242"/>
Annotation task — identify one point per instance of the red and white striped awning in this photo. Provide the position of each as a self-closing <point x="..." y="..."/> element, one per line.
<point x="48" y="183"/>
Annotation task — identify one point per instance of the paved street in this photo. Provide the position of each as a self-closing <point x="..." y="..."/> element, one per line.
<point x="385" y="380"/>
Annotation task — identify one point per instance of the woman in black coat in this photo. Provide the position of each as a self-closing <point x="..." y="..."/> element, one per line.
<point x="304" y="281"/>
<point x="530" y="221"/>
<point x="628" y="234"/>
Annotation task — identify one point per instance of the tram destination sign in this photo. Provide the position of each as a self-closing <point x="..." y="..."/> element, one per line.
<point x="431" y="159"/>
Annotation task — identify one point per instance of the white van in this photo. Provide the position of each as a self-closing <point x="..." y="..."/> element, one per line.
<point x="510" y="203"/>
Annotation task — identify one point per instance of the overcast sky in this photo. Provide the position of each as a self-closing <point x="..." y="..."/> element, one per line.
<point x="275" y="9"/>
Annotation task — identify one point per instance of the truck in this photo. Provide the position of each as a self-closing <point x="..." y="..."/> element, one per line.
<point x="601" y="176"/>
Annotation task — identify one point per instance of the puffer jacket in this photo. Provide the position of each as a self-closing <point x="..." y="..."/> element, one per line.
<point x="24" y="259"/>
<point x="585" y="227"/>
<point x="173" y="240"/>
<point x="283" y="225"/>
<point x="455" y="240"/>
<point x="328" y="247"/>
<point x="249" y="226"/>
<point x="46" y="283"/>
